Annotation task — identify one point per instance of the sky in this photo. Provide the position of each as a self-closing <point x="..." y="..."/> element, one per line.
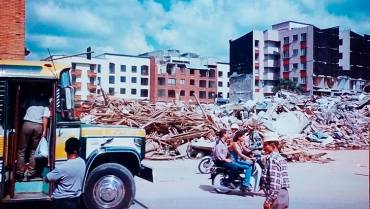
<point x="204" y="27"/>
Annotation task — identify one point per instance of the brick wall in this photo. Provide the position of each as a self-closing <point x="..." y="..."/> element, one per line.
<point x="12" y="25"/>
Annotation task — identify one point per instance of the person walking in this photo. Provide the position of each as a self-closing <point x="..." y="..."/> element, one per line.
<point x="69" y="177"/>
<point x="275" y="175"/>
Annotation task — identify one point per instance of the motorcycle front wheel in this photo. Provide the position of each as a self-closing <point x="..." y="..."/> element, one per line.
<point x="220" y="183"/>
<point x="205" y="165"/>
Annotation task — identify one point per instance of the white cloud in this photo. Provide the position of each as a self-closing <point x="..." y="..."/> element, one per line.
<point x="131" y="27"/>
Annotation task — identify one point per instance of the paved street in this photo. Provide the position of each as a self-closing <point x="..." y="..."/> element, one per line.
<point x="339" y="184"/>
<point x="342" y="184"/>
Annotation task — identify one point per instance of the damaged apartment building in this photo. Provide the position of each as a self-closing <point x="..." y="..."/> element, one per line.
<point x="320" y="61"/>
<point x="176" y="76"/>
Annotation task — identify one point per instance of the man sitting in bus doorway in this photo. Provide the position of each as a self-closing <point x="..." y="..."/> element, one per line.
<point x="69" y="177"/>
<point x="34" y="127"/>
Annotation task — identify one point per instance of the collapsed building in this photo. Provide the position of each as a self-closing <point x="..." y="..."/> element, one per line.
<point x="320" y="61"/>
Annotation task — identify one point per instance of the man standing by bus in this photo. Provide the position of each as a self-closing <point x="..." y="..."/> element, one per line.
<point x="69" y="177"/>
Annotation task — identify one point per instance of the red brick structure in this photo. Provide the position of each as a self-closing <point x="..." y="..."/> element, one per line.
<point x="181" y="83"/>
<point x="12" y="29"/>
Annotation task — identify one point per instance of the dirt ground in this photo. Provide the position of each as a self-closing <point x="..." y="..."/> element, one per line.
<point x="342" y="183"/>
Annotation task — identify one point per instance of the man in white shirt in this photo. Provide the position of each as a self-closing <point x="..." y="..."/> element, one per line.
<point x="34" y="127"/>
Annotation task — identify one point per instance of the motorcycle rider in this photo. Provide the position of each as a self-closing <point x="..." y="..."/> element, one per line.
<point x="221" y="159"/>
<point x="238" y="156"/>
<point x="275" y="175"/>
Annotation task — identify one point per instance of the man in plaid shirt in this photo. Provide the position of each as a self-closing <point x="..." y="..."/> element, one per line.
<point x="275" y="175"/>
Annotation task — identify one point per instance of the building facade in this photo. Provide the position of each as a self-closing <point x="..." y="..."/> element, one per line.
<point x="12" y="33"/>
<point x="122" y="76"/>
<point x="179" y="76"/>
<point x="317" y="60"/>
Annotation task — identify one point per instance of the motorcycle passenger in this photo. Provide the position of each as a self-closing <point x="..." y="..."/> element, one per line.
<point x="221" y="159"/>
<point x="238" y="156"/>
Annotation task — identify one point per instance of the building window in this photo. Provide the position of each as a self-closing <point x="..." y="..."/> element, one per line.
<point x="211" y="95"/>
<point x="228" y="84"/>
<point x="111" y="91"/>
<point x="286" y="68"/>
<point x="144" y="93"/>
<point x="303" y="80"/>
<point x="219" y="73"/>
<point x="112" y="68"/>
<point x="203" y="83"/>
<point x="123" y="68"/>
<point x="182" y="82"/>
<point x="171" y="81"/>
<point x="111" y="79"/>
<point x="123" y="79"/>
<point x="144" y="81"/>
<point x="211" y="84"/>
<point x="286" y="54"/>
<point x="212" y="73"/>
<point x="171" y="93"/>
<point x="161" y="93"/>
<point x="303" y="52"/>
<point x="134" y="69"/>
<point x="256" y="43"/>
<point x="303" y="37"/>
<point x="161" y="81"/>
<point x="133" y="91"/>
<point x="304" y="66"/>
<point x="295" y="79"/>
<point x="144" y="70"/>
<point x="92" y="80"/>
<point x="92" y="67"/>
<point x="99" y="68"/>
<point x="220" y="84"/>
<point x="192" y="82"/>
<point x="191" y="93"/>
<point x="122" y="91"/>
<point x="295" y="52"/>
<point x="286" y="40"/>
<point x="295" y="66"/>
<point x="182" y="93"/>
<point x="203" y="73"/>
<point x="203" y="95"/>
<point x="295" y="37"/>
<point x="192" y="72"/>
<point x="133" y="80"/>
<point x="99" y="80"/>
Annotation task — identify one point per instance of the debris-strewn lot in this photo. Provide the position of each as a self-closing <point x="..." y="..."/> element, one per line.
<point x="176" y="130"/>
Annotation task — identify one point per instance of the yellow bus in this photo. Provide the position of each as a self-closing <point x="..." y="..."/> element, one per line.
<point x="113" y="154"/>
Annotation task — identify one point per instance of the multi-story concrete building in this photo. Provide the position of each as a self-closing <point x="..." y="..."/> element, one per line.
<point x="318" y="60"/>
<point x="122" y="76"/>
<point x="180" y="77"/>
<point x="12" y="34"/>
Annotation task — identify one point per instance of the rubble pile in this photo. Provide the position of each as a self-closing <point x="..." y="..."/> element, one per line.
<point x="303" y="123"/>
<point x="167" y="125"/>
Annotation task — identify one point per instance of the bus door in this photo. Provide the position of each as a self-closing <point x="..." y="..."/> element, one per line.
<point x="29" y="185"/>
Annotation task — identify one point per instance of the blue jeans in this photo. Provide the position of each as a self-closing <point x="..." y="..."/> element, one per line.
<point x="235" y="167"/>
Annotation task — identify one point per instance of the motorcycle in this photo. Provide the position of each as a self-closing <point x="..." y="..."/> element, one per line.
<point x="223" y="183"/>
